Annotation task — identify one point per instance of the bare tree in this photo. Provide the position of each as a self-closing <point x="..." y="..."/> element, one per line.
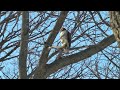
<point x="93" y="53"/>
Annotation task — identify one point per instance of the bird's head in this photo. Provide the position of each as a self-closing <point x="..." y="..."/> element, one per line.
<point x="62" y="29"/>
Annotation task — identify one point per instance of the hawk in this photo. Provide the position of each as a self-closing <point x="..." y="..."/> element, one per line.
<point x="65" y="38"/>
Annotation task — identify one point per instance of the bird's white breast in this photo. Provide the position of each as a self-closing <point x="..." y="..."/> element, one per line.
<point x="63" y="34"/>
<point x="63" y="37"/>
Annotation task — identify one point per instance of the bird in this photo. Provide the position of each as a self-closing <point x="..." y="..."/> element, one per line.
<point x="65" y="39"/>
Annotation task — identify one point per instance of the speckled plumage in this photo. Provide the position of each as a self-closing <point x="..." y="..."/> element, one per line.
<point x="65" y="38"/>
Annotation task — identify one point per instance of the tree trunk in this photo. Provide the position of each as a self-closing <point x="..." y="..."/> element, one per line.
<point x="115" y="24"/>
<point x="24" y="45"/>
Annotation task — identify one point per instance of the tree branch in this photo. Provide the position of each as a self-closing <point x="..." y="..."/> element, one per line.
<point x="74" y="58"/>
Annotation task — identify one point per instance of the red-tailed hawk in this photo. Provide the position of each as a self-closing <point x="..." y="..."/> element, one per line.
<point x="65" y="38"/>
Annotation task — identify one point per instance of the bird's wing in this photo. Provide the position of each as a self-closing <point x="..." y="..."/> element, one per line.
<point x="69" y="38"/>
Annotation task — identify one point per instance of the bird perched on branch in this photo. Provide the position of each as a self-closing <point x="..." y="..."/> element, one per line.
<point x="65" y="38"/>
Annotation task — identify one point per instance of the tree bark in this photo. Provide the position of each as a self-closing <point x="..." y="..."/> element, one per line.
<point x="74" y="58"/>
<point x="115" y="24"/>
<point x="24" y="45"/>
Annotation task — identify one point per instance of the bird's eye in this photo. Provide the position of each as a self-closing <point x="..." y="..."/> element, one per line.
<point x="62" y="29"/>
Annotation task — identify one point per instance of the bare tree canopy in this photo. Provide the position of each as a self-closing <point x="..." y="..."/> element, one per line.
<point x="94" y="52"/>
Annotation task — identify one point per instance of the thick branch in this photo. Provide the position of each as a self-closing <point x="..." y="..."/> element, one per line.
<point x="74" y="58"/>
<point x="8" y="54"/>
